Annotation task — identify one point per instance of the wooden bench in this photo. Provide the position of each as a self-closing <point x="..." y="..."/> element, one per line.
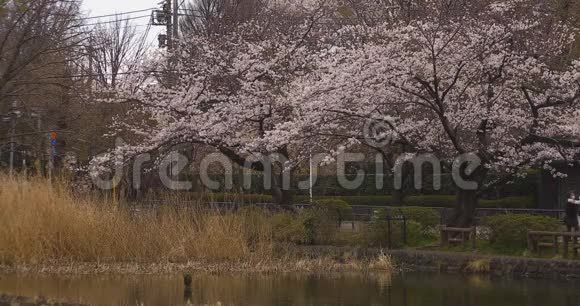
<point x="458" y="235"/>
<point x="542" y="239"/>
<point x="538" y="240"/>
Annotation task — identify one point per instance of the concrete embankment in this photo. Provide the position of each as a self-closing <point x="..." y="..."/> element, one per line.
<point x="454" y="262"/>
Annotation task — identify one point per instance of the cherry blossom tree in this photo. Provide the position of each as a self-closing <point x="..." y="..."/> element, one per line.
<point x="228" y="90"/>
<point x="488" y="85"/>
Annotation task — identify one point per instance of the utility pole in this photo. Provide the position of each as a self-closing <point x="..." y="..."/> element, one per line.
<point x="167" y="8"/>
<point x="168" y="17"/>
<point x="175" y="22"/>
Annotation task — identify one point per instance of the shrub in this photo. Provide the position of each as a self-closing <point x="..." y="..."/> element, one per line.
<point x="310" y="221"/>
<point x="336" y="208"/>
<point x="319" y="226"/>
<point x="431" y="200"/>
<point x="426" y="217"/>
<point x="509" y="202"/>
<point x="375" y="200"/>
<point x="287" y="228"/>
<point x="449" y="202"/>
<point x="510" y="230"/>
<point x="381" y="200"/>
<point x="376" y="233"/>
<point x="421" y="222"/>
<point x="415" y="234"/>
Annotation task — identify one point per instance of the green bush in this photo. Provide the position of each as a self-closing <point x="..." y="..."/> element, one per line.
<point x="376" y="233"/>
<point x="339" y="209"/>
<point x="309" y="219"/>
<point x="319" y="226"/>
<point x="374" y="200"/>
<point x="421" y="225"/>
<point x="287" y="228"/>
<point x="381" y="200"/>
<point x="510" y="230"/>
<point x="509" y="202"/>
<point x="416" y="235"/>
<point x="426" y="217"/>
<point x="429" y="201"/>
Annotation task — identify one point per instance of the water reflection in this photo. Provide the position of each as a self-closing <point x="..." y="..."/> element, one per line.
<point x="293" y="289"/>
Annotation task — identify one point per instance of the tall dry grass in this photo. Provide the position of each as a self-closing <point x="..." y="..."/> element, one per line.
<point x="42" y="222"/>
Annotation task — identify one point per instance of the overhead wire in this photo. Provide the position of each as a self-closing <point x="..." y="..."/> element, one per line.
<point x="115" y="20"/>
<point x="97" y="75"/>
<point x="116" y="14"/>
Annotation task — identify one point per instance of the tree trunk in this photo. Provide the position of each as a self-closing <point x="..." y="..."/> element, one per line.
<point x="464" y="212"/>
<point x="281" y="196"/>
<point x="397" y="197"/>
<point x="467" y="199"/>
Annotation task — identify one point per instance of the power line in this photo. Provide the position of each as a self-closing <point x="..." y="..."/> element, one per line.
<point x="116" y="14"/>
<point x="116" y="20"/>
<point x="98" y="75"/>
<point x="190" y="10"/>
<point x="190" y="15"/>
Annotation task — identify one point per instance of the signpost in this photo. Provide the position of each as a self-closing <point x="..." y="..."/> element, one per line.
<point x="53" y="152"/>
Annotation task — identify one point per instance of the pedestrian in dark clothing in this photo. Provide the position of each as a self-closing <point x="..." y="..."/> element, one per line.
<point x="571" y="218"/>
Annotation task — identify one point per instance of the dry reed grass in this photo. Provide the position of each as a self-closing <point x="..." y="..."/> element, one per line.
<point x="478" y="266"/>
<point x="43" y="222"/>
<point x="45" y="228"/>
<point x="382" y="262"/>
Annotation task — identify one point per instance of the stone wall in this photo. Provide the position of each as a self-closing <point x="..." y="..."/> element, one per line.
<point x="496" y="265"/>
<point x="452" y="262"/>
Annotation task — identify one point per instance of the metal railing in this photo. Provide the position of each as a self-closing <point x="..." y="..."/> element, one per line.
<point x="365" y="212"/>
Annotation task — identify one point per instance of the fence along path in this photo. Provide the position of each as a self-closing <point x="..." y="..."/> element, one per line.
<point x="365" y="212"/>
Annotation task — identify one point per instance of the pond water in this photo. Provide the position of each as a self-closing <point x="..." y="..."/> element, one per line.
<point x="291" y="289"/>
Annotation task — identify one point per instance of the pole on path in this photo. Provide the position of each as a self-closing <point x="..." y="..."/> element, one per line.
<point x="310" y="179"/>
<point x="52" y="153"/>
<point x="12" y="137"/>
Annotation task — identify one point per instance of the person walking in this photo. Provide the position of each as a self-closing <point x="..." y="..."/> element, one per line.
<point x="572" y="206"/>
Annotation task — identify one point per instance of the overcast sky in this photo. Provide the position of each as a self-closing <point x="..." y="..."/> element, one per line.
<point x="105" y="7"/>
